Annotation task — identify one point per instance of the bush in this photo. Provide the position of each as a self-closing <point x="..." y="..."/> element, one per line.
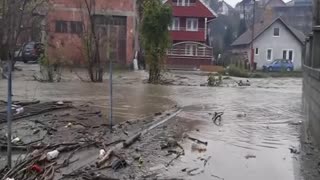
<point x="237" y="72"/>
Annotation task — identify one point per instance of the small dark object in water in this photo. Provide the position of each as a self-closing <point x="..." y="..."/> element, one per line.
<point x="294" y="150"/>
<point x="118" y="164"/>
<point x="217" y="118"/>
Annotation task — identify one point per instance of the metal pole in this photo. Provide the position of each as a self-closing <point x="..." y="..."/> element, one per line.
<point x="110" y="78"/>
<point x="252" y="35"/>
<point x="9" y="113"/>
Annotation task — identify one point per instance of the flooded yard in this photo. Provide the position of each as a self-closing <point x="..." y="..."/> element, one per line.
<point x="260" y="124"/>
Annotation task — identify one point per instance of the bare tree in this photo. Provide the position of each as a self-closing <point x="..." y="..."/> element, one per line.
<point x="15" y="15"/>
<point x="93" y="41"/>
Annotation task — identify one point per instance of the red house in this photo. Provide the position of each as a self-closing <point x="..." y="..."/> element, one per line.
<point x="189" y="34"/>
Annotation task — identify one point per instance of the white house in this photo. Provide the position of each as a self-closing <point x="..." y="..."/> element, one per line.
<point x="275" y="40"/>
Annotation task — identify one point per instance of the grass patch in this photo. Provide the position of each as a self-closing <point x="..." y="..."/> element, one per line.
<point x="237" y="72"/>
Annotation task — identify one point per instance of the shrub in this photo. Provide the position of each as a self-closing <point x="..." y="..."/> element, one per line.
<point x="237" y="72"/>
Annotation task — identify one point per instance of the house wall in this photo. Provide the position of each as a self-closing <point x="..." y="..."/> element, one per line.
<point x="67" y="46"/>
<point x="299" y="17"/>
<point x="286" y="41"/>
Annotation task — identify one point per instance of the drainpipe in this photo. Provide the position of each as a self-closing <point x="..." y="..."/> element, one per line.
<point x="205" y="28"/>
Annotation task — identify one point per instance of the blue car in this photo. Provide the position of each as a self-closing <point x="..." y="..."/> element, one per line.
<point x="279" y="65"/>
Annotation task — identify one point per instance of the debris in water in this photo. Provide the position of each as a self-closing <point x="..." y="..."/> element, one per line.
<point x="241" y="115"/>
<point x="296" y="123"/>
<point x="193" y="173"/>
<point x="118" y="164"/>
<point x="16" y="140"/>
<point x="249" y="156"/>
<point x="294" y="150"/>
<point x="217" y="118"/>
<point x="102" y="153"/>
<point x="217" y="177"/>
<point x="205" y="160"/>
<point x="52" y="155"/>
<point x="198" y="147"/>
<point x="197" y="140"/>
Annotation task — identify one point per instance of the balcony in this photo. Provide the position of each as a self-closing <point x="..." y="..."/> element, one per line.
<point x="190" y="49"/>
<point x="182" y="34"/>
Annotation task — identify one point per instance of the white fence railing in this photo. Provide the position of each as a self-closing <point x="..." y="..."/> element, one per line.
<point x="199" y="52"/>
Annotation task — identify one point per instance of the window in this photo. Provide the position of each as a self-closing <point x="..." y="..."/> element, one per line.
<point x="290" y="55"/>
<point x="257" y="51"/>
<point x="284" y="54"/>
<point x="192" y="24"/>
<point x="61" y="26"/>
<point x="191" y="50"/>
<point x="269" y="54"/>
<point x="287" y="54"/>
<point x="76" y="27"/>
<point x="276" y="32"/>
<point x="182" y="2"/>
<point x="175" y="24"/>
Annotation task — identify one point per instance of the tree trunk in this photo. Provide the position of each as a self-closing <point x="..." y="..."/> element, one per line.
<point x="154" y="73"/>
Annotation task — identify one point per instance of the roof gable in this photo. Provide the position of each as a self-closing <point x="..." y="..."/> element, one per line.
<point x="246" y="37"/>
<point x="273" y="3"/>
<point x="204" y="8"/>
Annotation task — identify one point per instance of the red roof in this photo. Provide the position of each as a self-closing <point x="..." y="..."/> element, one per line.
<point x="199" y="9"/>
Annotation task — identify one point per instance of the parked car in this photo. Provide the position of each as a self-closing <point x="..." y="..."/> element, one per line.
<point x="279" y="65"/>
<point x="30" y="51"/>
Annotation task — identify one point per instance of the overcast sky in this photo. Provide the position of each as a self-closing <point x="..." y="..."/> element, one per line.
<point x="234" y="2"/>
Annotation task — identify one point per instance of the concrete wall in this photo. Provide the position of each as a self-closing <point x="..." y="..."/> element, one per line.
<point x="311" y="98"/>
<point x="286" y="41"/>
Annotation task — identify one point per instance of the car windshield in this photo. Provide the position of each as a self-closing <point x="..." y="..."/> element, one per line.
<point x="275" y="62"/>
<point x="29" y="46"/>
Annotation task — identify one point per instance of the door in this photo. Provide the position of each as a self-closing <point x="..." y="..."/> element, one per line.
<point x="118" y="35"/>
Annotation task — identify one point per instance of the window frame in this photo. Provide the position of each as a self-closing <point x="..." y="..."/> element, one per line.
<point x="287" y="56"/>
<point x="194" y="26"/>
<point x="61" y="26"/>
<point x="274" y="34"/>
<point x="256" y="51"/>
<point x="172" y="27"/>
<point x="271" y="54"/>
<point x="290" y="50"/>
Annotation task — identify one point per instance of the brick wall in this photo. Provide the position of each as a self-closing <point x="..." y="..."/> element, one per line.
<point x="67" y="46"/>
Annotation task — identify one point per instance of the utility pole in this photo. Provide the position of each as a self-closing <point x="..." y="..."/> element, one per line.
<point x="110" y="76"/>
<point x="9" y="112"/>
<point x="252" y="36"/>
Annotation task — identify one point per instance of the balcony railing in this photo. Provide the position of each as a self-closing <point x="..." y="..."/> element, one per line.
<point x="198" y="52"/>
<point x="186" y="30"/>
<point x="184" y="4"/>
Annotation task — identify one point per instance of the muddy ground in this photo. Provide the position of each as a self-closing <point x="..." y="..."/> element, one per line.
<point x="260" y="125"/>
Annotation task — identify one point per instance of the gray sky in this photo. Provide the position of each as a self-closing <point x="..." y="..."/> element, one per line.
<point x="234" y="2"/>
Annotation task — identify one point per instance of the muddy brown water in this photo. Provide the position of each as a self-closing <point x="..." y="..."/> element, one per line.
<point x="263" y="131"/>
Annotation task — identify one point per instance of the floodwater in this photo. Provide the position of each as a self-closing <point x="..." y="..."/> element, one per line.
<point x="257" y="124"/>
<point x="252" y="142"/>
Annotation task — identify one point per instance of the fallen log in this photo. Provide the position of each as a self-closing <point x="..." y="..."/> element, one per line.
<point x="198" y="141"/>
<point x="25" y="103"/>
<point x="105" y="158"/>
<point x="131" y="140"/>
